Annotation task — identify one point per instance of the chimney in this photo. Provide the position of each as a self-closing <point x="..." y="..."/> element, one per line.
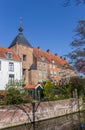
<point x="55" y="54"/>
<point x="64" y="58"/>
<point x="48" y="51"/>
<point x="38" y="47"/>
<point x="61" y="57"/>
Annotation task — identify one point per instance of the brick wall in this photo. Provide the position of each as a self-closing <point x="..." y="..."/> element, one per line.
<point x="20" y="114"/>
<point x="21" y="50"/>
<point x="33" y="77"/>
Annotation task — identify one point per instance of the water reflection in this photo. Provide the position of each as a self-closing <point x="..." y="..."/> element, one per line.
<point x="69" y="122"/>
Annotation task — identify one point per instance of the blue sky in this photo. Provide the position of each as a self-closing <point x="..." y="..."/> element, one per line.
<point x="46" y="23"/>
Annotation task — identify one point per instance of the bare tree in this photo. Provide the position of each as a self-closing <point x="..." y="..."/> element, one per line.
<point x="76" y="2"/>
<point x="77" y="55"/>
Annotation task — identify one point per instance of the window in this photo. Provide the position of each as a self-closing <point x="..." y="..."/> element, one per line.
<point x="11" y="76"/>
<point x="44" y="64"/>
<point x="0" y="65"/>
<point x="55" y="73"/>
<point x="50" y="65"/>
<point x="40" y="73"/>
<point x="39" y="63"/>
<point x="11" y="66"/>
<point x="53" y="61"/>
<point x="51" y="72"/>
<point x="44" y="71"/>
<point x="9" y="55"/>
<point x="24" y="57"/>
<point x="44" y="74"/>
<point x="24" y="71"/>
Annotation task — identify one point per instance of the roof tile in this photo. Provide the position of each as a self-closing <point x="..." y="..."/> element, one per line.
<point x="30" y="87"/>
<point x="48" y="57"/>
<point x="3" y="52"/>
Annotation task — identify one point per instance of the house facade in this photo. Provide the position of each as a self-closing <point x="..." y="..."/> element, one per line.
<point x="39" y="65"/>
<point x="10" y="67"/>
<point x="50" y="67"/>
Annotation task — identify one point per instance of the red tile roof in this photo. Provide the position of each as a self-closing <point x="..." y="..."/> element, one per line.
<point x="33" y="86"/>
<point x="3" y="52"/>
<point x="48" y="57"/>
<point x="30" y="87"/>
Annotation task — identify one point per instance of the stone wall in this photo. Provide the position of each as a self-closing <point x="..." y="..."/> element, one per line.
<point x="68" y="122"/>
<point x="20" y="114"/>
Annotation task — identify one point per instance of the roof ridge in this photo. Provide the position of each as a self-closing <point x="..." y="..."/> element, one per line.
<point x="50" y="56"/>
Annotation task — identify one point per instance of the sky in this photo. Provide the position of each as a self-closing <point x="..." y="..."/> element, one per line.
<point x="46" y="23"/>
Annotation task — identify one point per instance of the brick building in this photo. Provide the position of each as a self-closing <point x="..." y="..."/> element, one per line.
<point x="39" y="65"/>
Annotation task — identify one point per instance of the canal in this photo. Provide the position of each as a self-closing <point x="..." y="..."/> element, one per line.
<point x="69" y="122"/>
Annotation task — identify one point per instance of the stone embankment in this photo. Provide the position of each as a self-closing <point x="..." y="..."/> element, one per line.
<point x="27" y="113"/>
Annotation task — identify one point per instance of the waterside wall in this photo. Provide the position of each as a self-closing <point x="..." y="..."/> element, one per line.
<point x="27" y="113"/>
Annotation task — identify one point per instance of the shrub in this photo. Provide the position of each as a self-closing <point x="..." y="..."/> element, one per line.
<point x="49" y="91"/>
<point x="14" y="96"/>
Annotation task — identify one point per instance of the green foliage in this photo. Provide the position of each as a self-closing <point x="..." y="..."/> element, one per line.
<point x="75" y="88"/>
<point x="79" y="84"/>
<point x="63" y="92"/>
<point x="3" y="95"/>
<point x="66" y="91"/>
<point x="14" y="96"/>
<point x="49" y="91"/>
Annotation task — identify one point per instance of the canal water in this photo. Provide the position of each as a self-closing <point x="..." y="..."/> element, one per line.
<point x="70" y="122"/>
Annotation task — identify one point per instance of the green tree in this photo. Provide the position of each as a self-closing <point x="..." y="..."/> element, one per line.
<point x="49" y="91"/>
<point x="66" y="91"/>
<point x="79" y="84"/>
<point x="74" y="88"/>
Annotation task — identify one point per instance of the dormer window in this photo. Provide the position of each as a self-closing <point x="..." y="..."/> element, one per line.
<point x="53" y="61"/>
<point x="43" y="58"/>
<point x="9" y="55"/>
